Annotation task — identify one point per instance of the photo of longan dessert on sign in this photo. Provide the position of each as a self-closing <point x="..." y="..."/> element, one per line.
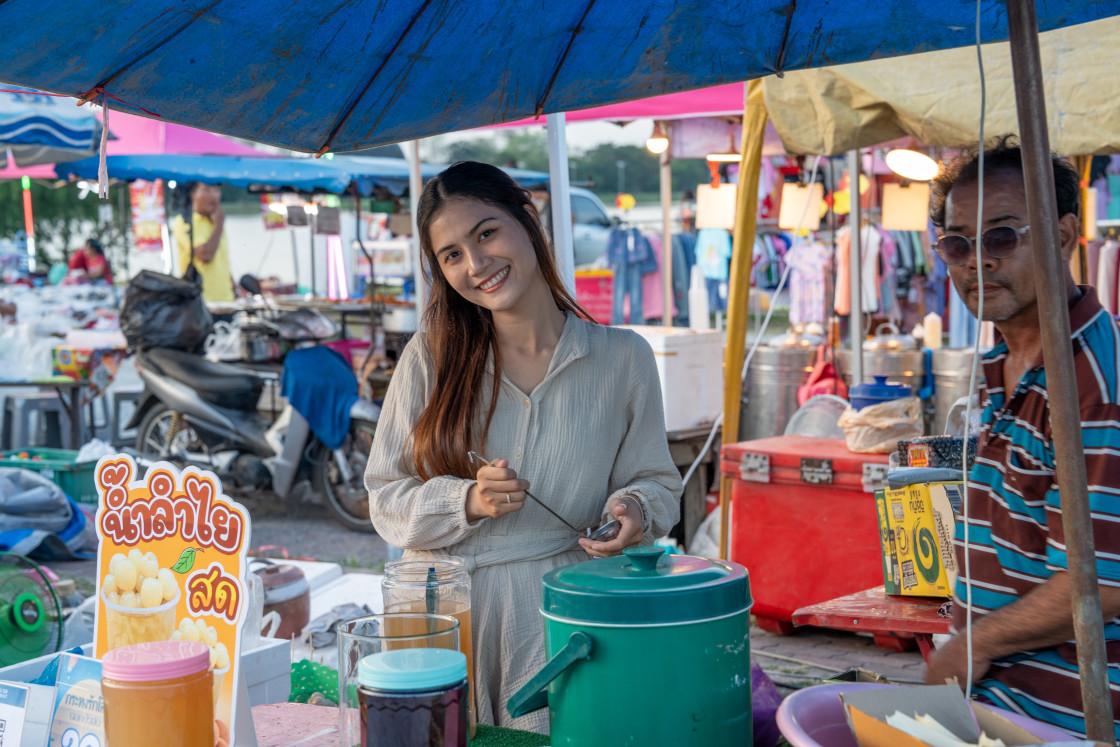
<point x="140" y="599"/>
<point x="196" y="629"/>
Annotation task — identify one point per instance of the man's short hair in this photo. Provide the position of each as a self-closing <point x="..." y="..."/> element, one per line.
<point x="1000" y="155"/>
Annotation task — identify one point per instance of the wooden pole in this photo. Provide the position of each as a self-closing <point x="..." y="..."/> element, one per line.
<point x="1057" y="354"/>
<point x="738" y="300"/>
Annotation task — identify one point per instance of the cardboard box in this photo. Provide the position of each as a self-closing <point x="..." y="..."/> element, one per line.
<point x="690" y="365"/>
<point x="867" y="712"/>
<point x="916" y="536"/>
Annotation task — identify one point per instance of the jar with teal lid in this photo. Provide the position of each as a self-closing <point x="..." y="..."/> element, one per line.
<point x="417" y="697"/>
<point x="663" y="638"/>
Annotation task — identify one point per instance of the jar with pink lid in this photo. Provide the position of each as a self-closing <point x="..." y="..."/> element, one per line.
<point x="158" y="694"/>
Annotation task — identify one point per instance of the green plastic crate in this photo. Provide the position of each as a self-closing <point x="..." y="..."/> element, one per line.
<point x="77" y="480"/>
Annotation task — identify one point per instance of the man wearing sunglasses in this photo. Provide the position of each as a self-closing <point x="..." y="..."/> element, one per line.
<point x="1022" y="625"/>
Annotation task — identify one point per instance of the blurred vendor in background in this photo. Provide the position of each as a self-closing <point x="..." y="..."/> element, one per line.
<point x="89" y="264"/>
<point x="202" y="244"/>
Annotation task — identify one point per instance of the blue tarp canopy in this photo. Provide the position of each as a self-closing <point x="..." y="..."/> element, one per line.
<point x="341" y="75"/>
<point x="274" y="174"/>
<point x="298" y="174"/>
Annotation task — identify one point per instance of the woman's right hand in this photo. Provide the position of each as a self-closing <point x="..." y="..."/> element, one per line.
<point x="498" y="492"/>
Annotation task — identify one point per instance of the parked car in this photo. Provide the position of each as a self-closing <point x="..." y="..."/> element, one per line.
<point x="592" y="225"/>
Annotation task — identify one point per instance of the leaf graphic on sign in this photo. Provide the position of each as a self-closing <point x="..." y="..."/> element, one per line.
<point x="185" y="561"/>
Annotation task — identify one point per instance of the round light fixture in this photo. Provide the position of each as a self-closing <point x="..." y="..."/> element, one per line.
<point x="657" y="143"/>
<point x="912" y="165"/>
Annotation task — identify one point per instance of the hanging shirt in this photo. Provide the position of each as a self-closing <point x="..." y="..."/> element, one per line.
<point x="869" y="275"/>
<point x="652" y="285"/>
<point x="713" y="252"/>
<point x="1108" y="262"/>
<point x="627" y="246"/>
<point x="809" y="262"/>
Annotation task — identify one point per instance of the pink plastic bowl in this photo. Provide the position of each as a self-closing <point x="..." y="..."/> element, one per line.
<point x="814" y="717"/>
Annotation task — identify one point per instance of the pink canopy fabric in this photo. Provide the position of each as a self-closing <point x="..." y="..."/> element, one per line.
<point x="137" y="136"/>
<point x="706" y="102"/>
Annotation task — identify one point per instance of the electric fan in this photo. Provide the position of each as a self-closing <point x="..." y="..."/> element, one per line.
<point x="30" y="612"/>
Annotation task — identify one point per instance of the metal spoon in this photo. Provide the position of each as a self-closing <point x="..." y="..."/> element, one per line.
<point x="475" y="456"/>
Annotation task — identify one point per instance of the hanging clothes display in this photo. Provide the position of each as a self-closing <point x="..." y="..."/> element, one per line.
<point x="870" y="243"/>
<point x="653" y="289"/>
<point x="628" y="255"/>
<point x="809" y="263"/>
<point x="713" y="255"/>
<point x="962" y="324"/>
<point x="1108" y="266"/>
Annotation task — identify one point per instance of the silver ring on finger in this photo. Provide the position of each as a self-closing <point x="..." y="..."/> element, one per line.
<point x="507" y="498"/>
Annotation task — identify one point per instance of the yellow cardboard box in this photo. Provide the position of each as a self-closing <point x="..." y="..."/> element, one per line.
<point x="916" y="534"/>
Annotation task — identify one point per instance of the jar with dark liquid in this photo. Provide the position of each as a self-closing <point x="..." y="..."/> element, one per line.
<point x="414" y="698"/>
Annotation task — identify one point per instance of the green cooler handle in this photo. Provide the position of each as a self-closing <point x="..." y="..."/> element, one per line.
<point x="534" y="695"/>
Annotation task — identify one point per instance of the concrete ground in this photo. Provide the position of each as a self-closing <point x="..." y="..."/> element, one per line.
<point x="306" y="531"/>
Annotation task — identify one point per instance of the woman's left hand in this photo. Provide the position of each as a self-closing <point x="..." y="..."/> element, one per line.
<point x="628" y="511"/>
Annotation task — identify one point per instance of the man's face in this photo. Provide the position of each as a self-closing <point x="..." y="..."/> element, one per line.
<point x="1009" y="289"/>
<point x="205" y="198"/>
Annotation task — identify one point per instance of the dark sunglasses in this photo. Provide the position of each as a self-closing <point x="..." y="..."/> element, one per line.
<point x="999" y="242"/>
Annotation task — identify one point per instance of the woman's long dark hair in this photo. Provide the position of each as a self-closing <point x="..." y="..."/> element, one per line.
<point x="461" y="334"/>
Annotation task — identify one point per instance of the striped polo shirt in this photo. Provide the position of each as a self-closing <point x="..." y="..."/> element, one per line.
<point x="1015" y="516"/>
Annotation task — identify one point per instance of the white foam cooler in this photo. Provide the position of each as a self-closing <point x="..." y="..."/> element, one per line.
<point x="690" y="364"/>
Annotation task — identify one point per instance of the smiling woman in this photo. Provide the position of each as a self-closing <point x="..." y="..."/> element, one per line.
<point x="507" y="364"/>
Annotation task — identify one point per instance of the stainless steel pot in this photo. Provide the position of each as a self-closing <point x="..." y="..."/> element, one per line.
<point x="952" y="369"/>
<point x="771" y="389"/>
<point x="400" y="319"/>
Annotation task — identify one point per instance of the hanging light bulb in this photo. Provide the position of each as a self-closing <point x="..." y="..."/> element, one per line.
<point x="912" y="165"/>
<point x="658" y="142"/>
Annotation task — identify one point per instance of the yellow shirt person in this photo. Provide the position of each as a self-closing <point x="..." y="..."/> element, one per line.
<point x="211" y="257"/>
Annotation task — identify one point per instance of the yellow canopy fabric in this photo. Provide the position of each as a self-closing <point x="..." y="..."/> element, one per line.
<point x="935" y="97"/>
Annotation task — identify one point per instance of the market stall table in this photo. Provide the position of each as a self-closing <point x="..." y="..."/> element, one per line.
<point x="69" y="393"/>
<point x="892" y="620"/>
<point x="285" y="724"/>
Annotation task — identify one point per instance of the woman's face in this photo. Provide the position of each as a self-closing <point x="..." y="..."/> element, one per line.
<point x="486" y="255"/>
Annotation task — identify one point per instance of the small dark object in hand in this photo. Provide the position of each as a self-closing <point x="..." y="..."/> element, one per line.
<point x="606" y="532"/>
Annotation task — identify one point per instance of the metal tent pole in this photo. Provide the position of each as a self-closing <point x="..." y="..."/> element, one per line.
<point x="666" y="240"/>
<point x="1057" y="353"/>
<point x="415" y="185"/>
<point x="563" y="248"/>
<point x="855" y="268"/>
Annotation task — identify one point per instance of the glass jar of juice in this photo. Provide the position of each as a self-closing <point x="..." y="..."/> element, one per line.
<point x="416" y="697"/>
<point x="441" y="587"/>
<point x="159" y="688"/>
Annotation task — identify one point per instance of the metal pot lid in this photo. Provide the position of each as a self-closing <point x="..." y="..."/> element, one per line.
<point x="894" y="340"/>
<point x="646" y="587"/>
<point x="880" y="389"/>
<point x="282" y="582"/>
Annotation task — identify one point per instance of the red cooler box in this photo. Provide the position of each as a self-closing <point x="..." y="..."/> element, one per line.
<point x="803" y="522"/>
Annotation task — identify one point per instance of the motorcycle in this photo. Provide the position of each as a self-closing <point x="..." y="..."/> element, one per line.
<point x="205" y="413"/>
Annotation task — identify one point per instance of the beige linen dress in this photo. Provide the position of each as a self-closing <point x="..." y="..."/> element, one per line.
<point x="592" y="430"/>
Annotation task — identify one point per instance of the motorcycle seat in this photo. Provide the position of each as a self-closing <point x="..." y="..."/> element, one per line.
<point x="220" y="384"/>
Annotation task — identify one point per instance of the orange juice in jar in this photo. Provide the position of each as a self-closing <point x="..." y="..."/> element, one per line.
<point x="159" y="688"/>
<point x="439" y="586"/>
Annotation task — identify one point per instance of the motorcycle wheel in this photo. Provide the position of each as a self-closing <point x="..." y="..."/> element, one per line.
<point x="152" y="437"/>
<point x="348" y="500"/>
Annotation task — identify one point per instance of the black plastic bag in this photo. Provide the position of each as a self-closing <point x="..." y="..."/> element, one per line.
<point x="162" y="311"/>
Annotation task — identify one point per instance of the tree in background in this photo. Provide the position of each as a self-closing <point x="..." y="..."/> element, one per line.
<point x="596" y="167"/>
<point x="63" y="221"/>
